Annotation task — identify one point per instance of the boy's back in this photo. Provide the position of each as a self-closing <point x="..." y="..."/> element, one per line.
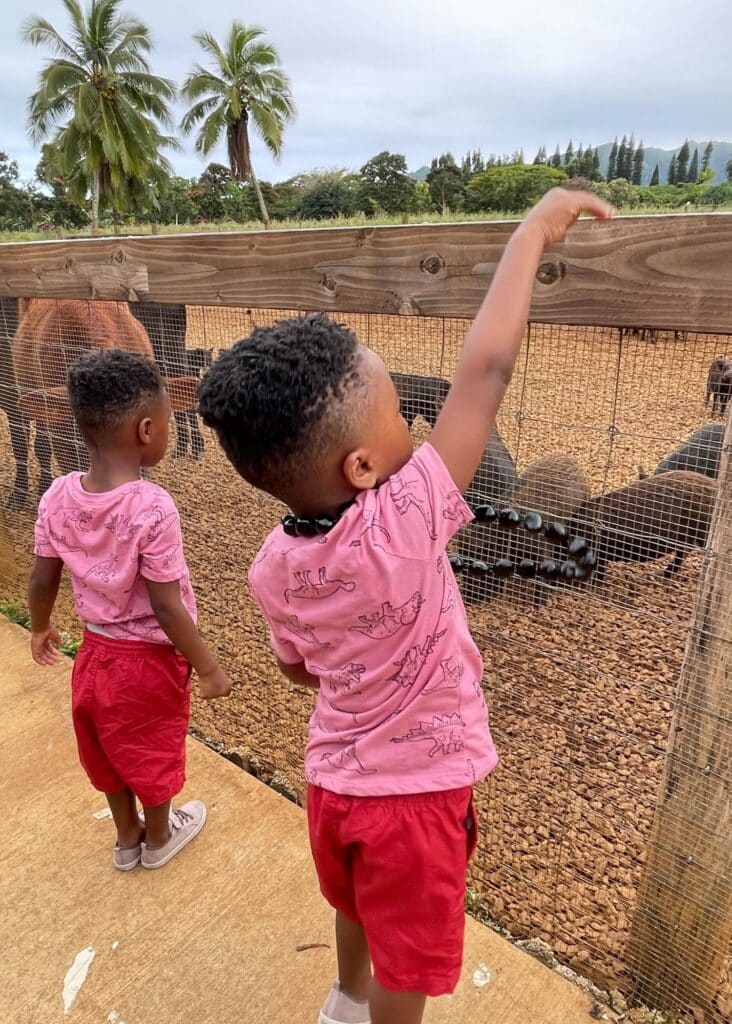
<point x="373" y="610"/>
<point x="111" y="542"/>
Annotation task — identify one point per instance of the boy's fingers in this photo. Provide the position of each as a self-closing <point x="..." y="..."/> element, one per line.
<point x="590" y="203"/>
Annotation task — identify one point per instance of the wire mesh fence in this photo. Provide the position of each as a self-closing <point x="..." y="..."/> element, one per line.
<point x="581" y="676"/>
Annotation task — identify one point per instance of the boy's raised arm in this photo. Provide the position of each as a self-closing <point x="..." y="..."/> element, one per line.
<point x="494" y="339"/>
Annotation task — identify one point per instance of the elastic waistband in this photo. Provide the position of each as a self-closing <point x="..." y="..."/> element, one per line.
<point x="437" y="798"/>
<point x="123" y="647"/>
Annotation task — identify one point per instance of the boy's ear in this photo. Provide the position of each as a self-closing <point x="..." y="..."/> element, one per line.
<point x="359" y="470"/>
<point x="144" y="430"/>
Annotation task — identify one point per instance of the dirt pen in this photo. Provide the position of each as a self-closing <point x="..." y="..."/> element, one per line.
<point x="606" y="832"/>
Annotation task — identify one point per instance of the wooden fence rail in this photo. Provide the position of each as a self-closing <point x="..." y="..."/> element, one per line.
<point x="667" y="272"/>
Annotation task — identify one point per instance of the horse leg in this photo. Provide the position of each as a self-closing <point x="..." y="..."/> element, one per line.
<point x="182" y="440"/>
<point x="44" y="453"/>
<point x="673" y="567"/>
<point x="19" y="444"/>
<point x="197" y="442"/>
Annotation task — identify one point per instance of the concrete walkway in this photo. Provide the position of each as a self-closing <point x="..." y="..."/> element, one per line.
<point x="216" y="937"/>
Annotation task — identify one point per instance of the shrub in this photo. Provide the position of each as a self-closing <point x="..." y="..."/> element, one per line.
<point x="510" y="189"/>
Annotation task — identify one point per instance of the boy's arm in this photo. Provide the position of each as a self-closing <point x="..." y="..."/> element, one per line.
<point x="181" y="630"/>
<point x="43" y="587"/>
<point x="494" y="339"/>
<point x="298" y="674"/>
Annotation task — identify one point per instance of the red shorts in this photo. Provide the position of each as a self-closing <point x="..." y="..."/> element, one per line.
<point x="397" y="865"/>
<point x="130" y="705"/>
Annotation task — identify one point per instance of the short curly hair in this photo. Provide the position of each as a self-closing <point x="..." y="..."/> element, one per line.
<point x="109" y="386"/>
<point x="279" y="399"/>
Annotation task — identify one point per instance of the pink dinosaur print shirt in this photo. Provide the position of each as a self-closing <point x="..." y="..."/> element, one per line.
<point x="373" y="609"/>
<point x="111" y="543"/>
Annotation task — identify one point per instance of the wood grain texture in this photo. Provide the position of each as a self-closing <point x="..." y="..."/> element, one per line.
<point x="669" y="272"/>
<point x="682" y="930"/>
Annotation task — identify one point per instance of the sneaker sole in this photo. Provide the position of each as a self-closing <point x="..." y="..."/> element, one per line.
<point x="181" y="846"/>
<point x="324" y="1019"/>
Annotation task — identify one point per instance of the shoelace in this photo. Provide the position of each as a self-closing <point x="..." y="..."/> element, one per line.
<point x="179" y="819"/>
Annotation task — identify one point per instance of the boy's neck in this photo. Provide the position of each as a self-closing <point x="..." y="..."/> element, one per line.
<point x="110" y="469"/>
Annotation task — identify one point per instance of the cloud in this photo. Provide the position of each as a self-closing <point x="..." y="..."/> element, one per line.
<point x="423" y="76"/>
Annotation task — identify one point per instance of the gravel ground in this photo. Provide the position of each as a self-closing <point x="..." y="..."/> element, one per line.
<point x="581" y="690"/>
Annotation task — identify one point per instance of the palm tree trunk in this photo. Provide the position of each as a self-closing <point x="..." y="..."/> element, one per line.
<point x="96" y="185"/>
<point x="260" y="197"/>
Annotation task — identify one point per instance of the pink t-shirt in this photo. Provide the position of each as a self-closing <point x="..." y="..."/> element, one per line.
<point x="111" y="543"/>
<point x="373" y="609"/>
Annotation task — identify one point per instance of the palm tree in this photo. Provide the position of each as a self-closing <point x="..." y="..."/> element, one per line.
<point x="246" y="87"/>
<point x="97" y="92"/>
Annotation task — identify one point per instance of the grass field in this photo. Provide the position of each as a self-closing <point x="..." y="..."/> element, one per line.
<point x="338" y="222"/>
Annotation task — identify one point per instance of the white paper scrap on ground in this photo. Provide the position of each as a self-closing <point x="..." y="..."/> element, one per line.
<point x="114" y="945"/>
<point x="101" y="815"/>
<point x="481" y="976"/>
<point x="76" y="976"/>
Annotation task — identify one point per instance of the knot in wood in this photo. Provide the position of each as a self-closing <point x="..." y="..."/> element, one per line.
<point x="119" y="256"/>
<point x="432" y="264"/>
<point x="328" y="283"/>
<point x="551" y="272"/>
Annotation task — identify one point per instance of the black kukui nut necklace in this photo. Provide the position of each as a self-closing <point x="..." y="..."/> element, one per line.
<point x="579" y="566"/>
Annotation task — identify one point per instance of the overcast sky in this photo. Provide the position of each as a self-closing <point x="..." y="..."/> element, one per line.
<point x="421" y="77"/>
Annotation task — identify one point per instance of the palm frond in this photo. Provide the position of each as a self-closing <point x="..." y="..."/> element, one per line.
<point x="210" y="44"/>
<point x="197" y="113"/>
<point x="39" y="32"/>
<point x="201" y="81"/>
<point x="268" y="126"/>
<point x="211" y="131"/>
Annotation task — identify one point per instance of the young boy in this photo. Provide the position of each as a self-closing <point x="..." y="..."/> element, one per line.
<point x="120" y="538"/>
<point x="362" y="605"/>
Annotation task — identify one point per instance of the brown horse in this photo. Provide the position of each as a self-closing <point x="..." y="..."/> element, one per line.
<point x="50" y="336"/>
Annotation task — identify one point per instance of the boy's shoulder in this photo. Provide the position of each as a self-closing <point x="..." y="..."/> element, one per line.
<point x="142" y="493"/>
<point x="149" y="491"/>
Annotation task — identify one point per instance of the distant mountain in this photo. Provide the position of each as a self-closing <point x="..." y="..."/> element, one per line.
<point x="420" y="174"/>
<point x="721" y="154"/>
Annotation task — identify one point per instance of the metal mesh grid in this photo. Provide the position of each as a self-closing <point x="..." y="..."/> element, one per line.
<point x="581" y="680"/>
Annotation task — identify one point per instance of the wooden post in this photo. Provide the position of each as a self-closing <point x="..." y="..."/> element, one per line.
<point x="682" y="928"/>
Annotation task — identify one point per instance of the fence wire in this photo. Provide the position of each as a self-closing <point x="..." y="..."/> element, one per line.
<point x="581" y="678"/>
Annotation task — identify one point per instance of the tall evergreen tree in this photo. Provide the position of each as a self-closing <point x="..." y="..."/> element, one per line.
<point x="613" y="161"/>
<point x="622" y="154"/>
<point x="629" y="156"/>
<point x="557" y="158"/>
<point x="707" y="159"/>
<point x="673" y="171"/>
<point x="682" y="163"/>
<point x="596" y="176"/>
<point x="569" y="153"/>
<point x="728" y="170"/>
<point x="694" y="168"/>
<point x="654" y="176"/>
<point x="639" y="158"/>
<point x="540" y="157"/>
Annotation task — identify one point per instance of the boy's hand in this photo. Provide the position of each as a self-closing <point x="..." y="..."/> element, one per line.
<point x="214" y="684"/>
<point x="560" y="208"/>
<point x="44" y="646"/>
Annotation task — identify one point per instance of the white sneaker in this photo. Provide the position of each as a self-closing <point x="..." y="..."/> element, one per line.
<point x="339" y="1008"/>
<point x="185" y="824"/>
